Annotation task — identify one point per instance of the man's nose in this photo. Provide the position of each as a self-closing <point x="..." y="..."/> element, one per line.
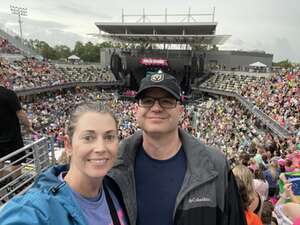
<point x="156" y="105"/>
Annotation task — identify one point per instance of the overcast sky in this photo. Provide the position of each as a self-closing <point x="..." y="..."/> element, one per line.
<point x="269" y="25"/>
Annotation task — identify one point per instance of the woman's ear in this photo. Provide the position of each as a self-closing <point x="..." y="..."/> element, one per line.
<point x="68" y="145"/>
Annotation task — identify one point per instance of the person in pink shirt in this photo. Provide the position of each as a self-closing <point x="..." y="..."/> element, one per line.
<point x="261" y="186"/>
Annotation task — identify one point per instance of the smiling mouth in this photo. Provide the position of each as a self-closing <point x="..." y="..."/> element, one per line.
<point x="99" y="162"/>
<point x="156" y="118"/>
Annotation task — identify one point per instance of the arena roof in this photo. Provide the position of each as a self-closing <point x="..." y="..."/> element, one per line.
<point x="190" y="28"/>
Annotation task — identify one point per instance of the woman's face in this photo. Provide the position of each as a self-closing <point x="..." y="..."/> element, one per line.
<point x="93" y="147"/>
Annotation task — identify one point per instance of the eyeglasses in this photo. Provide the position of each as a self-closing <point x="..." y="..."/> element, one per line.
<point x="165" y="102"/>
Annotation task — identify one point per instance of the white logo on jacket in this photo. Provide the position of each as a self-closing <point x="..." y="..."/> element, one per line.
<point x="198" y="199"/>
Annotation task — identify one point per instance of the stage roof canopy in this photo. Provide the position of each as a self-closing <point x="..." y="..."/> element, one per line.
<point x="160" y="33"/>
<point x="168" y="39"/>
<point x="190" y="28"/>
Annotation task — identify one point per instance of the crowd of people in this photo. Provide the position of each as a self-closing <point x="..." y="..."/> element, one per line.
<point x="6" y="47"/>
<point x="268" y="180"/>
<point x="277" y="96"/>
<point x="224" y="123"/>
<point x="230" y="82"/>
<point x="87" y="73"/>
<point x="30" y="73"/>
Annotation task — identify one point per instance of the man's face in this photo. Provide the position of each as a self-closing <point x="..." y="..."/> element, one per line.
<point x="156" y="119"/>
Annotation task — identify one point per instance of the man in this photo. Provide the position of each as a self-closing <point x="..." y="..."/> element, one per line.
<point x="166" y="176"/>
<point x="10" y="132"/>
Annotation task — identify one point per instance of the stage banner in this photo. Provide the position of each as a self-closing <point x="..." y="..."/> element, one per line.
<point x="153" y="62"/>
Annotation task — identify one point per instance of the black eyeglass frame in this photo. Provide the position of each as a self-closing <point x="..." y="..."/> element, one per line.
<point x="159" y="100"/>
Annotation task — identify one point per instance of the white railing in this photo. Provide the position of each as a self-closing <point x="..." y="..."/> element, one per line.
<point x="18" y="177"/>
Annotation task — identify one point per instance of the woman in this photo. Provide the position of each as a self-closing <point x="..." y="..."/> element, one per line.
<point x="272" y="176"/>
<point x="79" y="193"/>
<point x="261" y="186"/>
<point x="255" y="201"/>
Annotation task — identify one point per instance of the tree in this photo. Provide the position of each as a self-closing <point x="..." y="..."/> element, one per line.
<point x="214" y="48"/>
<point x="88" y="52"/>
<point x="105" y="44"/>
<point x="78" y="49"/>
<point x="199" y="47"/>
<point x="62" y="51"/>
<point x="283" y="64"/>
<point x="43" y="48"/>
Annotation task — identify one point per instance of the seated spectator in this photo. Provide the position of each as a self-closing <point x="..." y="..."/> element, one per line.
<point x="261" y="186"/>
<point x="244" y="158"/>
<point x="288" y="165"/>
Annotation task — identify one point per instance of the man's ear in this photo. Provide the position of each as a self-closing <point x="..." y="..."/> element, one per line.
<point x="135" y="108"/>
<point x="181" y="109"/>
<point x="68" y="145"/>
<point x="181" y="114"/>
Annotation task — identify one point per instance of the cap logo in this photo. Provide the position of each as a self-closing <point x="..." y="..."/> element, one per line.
<point x="157" y="77"/>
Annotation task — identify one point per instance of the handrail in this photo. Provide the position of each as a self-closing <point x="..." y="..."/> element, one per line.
<point x="25" y="92"/>
<point x="15" y="180"/>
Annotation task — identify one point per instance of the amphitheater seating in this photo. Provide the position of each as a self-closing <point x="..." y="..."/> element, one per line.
<point x="278" y="96"/>
<point x="6" y="47"/>
<point x="30" y="73"/>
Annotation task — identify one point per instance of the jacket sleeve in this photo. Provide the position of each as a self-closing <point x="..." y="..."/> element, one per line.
<point x="22" y="212"/>
<point x="234" y="213"/>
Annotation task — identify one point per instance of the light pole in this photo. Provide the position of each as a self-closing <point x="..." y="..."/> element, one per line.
<point x="19" y="11"/>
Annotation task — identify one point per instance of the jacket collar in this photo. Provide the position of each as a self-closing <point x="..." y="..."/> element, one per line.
<point x="199" y="162"/>
<point x="200" y="166"/>
<point x="49" y="183"/>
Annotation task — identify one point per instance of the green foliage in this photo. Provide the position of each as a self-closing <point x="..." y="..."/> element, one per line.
<point x="88" y="52"/>
<point x="283" y="64"/>
<point x="214" y="48"/>
<point x="62" y="51"/>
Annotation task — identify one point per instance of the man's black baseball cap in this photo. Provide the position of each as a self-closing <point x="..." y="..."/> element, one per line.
<point x="160" y="80"/>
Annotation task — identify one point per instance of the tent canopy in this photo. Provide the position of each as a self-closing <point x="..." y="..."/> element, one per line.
<point x="257" y="64"/>
<point x="74" y="57"/>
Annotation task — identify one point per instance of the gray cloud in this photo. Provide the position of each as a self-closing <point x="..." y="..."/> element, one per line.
<point x="76" y="9"/>
<point x="281" y="46"/>
<point x="54" y="33"/>
<point x="6" y="18"/>
<point x="56" y="37"/>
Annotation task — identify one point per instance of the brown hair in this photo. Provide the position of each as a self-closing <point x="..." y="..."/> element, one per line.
<point x="258" y="174"/>
<point x="243" y="193"/>
<point x="266" y="214"/>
